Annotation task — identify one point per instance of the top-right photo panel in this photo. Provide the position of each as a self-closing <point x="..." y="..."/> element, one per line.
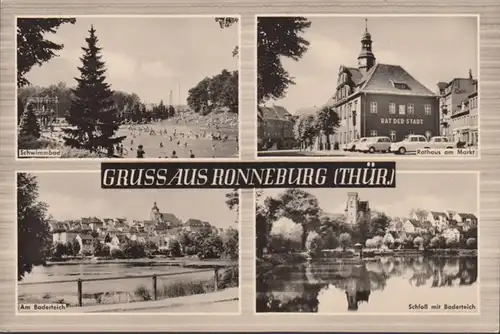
<point x="378" y="86"/>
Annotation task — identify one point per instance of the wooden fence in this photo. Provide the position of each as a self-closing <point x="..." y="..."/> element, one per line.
<point x="154" y="278"/>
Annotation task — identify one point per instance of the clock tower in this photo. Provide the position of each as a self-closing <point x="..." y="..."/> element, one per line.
<point x="366" y="58"/>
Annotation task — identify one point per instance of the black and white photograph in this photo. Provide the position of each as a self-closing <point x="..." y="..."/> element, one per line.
<point x="128" y="87"/>
<point x="388" y="86"/>
<point x="405" y="250"/>
<point x="83" y="249"/>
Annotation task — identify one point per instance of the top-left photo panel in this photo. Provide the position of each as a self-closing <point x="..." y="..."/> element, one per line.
<point x="128" y="87"/>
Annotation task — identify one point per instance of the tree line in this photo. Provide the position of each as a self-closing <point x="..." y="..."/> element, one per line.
<point x="219" y="92"/>
<point x="316" y="231"/>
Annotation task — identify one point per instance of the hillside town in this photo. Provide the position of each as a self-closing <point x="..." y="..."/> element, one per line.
<point x="162" y="232"/>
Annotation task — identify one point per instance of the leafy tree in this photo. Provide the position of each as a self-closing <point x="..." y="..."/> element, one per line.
<point x="33" y="235"/>
<point x="327" y="121"/>
<point x="314" y="243"/>
<point x="75" y="247"/>
<point x="471" y="243"/>
<point x="29" y="123"/>
<point x="174" y="248"/>
<point x="378" y="224"/>
<point x="226" y="22"/>
<point x="265" y="214"/>
<point x="305" y="130"/>
<point x="418" y="242"/>
<point x="59" y="250"/>
<point x="92" y="112"/>
<point x="32" y="46"/>
<point x="94" y="234"/>
<point x="388" y="240"/>
<point x="20" y="109"/>
<point x="345" y="240"/>
<point x="278" y="37"/>
<point x="302" y="208"/>
<point x="98" y="247"/>
<point x="212" y="93"/>
<point x="233" y="202"/>
<point x="231" y="243"/>
<point x="134" y="250"/>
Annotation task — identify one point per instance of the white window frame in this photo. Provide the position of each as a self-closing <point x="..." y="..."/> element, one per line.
<point x="428" y="109"/>
<point x="392" y="135"/>
<point x="373" y="108"/>
<point x="411" y="109"/>
<point x="402" y="109"/>
<point x="392" y="108"/>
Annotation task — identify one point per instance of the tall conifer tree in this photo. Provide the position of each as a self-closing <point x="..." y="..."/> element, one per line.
<point x="92" y="114"/>
<point x="29" y="124"/>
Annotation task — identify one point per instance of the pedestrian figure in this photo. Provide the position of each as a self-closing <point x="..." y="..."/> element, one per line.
<point x="191" y="155"/>
<point x="140" y="152"/>
<point x="161" y="144"/>
<point x="174" y="154"/>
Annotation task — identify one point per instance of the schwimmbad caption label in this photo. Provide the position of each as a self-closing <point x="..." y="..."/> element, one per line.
<point x="248" y="175"/>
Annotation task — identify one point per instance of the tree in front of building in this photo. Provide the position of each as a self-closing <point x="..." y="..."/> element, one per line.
<point x="33" y="237"/>
<point x="278" y="37"/>
<point x="305" y="130"/>
<point x="33" y="48"/>
<point x="327" y="122"/>
<point x="92" y="116"/>
<point x="29" y="126"/>
<point x="345" y="240"/>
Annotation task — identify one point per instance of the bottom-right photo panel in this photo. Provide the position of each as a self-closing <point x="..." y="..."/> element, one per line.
<point x="408" y="249"/>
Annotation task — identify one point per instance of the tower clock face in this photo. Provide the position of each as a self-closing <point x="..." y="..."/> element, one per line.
<point x="362" y="62"/>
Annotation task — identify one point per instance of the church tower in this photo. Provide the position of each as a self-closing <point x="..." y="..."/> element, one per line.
<point x="155" y="213"/>
<point x="352" y="207"/>
<point x="366" y="58"/>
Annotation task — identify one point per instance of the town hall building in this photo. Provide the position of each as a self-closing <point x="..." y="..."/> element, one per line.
<point x="375" y="99"/>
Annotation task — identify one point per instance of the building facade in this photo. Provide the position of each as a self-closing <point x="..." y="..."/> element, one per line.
<point x="459" y="110"/>
<point x="275" y="128"/>
<point x="375" y="99"/>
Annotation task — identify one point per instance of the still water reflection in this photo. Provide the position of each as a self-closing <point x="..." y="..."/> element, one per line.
<point x="388" y="285"/>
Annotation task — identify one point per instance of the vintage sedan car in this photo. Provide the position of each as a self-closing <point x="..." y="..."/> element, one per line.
<point x="375" y="144"/>
<point x="409" y="144"/>
<point x="440" y="142"/>
<point x="359" y="142"/>
<point x="351" y="145"/>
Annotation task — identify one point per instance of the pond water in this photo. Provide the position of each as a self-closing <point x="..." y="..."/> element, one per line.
<point x="384" y="285"/>
<point x="99" y="291"/>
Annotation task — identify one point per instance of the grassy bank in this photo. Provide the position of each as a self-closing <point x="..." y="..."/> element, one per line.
<point x="180" y="261"/>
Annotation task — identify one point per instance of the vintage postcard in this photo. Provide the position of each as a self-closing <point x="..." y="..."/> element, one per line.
<point x="412" y="249"/>
<point x="128" y="87"/>
<point x="83" y="249"/>
<point x="388" y="86"/>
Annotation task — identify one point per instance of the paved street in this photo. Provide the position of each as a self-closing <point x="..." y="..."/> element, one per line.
<point x="296" y="153"/>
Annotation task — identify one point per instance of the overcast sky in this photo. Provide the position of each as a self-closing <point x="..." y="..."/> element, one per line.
<point x="146" y="56"/>
<point x="428" y="191"/>
<point x="431" y="49"/>
<point x="77" y="195"/>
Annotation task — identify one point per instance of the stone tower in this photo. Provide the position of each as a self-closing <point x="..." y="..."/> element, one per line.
<point x="366" y="58"/>
<point x="155" y="213"/>
<point x="352" y="207"/>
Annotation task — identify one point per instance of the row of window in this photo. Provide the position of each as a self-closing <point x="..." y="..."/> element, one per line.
<point x="402" y="109"/>
<point x="464" y="120"/>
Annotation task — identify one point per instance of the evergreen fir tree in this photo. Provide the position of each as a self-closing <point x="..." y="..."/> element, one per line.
<point x="92" y="114"/>
<point x="29" y="123"/>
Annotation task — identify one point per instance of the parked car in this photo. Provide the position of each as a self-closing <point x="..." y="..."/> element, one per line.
<point x="358" y="143"/>
<point x="350" y="146"/>
<point x="375" y="144"/>
<point x="440" y="142"/>
<point x="409" y="144"/>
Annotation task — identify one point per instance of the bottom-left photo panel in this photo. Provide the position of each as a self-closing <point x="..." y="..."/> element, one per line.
<point x="84" y="249"/>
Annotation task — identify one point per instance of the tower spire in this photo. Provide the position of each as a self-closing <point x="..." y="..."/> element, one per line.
<point x="366" y="58"/>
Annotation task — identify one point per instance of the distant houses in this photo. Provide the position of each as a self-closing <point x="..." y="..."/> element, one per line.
<point x="160" y="229"/>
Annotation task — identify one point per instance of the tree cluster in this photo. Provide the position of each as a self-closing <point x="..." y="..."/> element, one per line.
<point x="321" y="125"/>
<point x="215" y="93"/>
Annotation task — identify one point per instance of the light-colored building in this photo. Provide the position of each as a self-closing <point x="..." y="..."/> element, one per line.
<point x="409" y="227"/>
<point x="452" y="94"/>
<point x="439" y="220"/>
<point x="356" y="209"/>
